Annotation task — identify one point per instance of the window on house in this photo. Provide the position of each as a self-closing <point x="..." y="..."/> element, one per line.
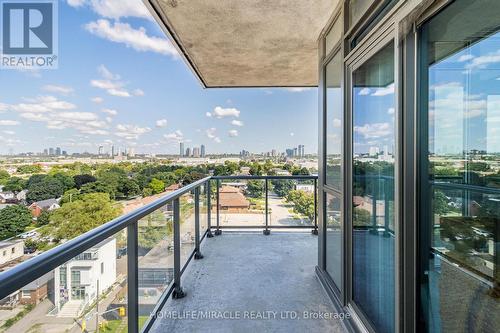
<point x="102" y="268"/>
<point x="26" y="293"/>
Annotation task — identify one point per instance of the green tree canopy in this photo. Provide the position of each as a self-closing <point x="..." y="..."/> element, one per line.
<point x="30" y="168"/>
<point x="15" y="184"/>
<point x="4" y="177"/>
<point x="48" y="188"/>
<point x="77" y="217"/>
<point x="13" y="220"/>
<point x="255" y="188"/>
<point x="156" y="185"/>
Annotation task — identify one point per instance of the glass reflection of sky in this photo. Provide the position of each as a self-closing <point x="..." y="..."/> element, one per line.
<point x="464" y="100"/>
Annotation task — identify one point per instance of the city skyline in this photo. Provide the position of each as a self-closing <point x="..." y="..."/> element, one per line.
<point x="93" y="100"/>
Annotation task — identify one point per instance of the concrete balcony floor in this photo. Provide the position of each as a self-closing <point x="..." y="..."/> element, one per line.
<point x="245" y="273"/>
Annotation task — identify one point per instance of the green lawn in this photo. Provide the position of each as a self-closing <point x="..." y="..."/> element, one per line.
<point x="114" y="326"/>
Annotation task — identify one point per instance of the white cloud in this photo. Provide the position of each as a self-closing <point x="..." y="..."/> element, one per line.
<point x="337" y="122"/>
<point x="483" y="61"/>
<point x="97" y="100"/>
<point x="9" y="123"/>
<point x="390" y="111"/>
<point x="9" y="132"/>
<point x="136" y="39"/>
<point x="465" y="57"/>
<point x="109" y="119"/>
<point x="364" y="92"/>
<point x="63" y="90"/>
<point x="130" y="132"/>
<point x="176" y="136"/>
<point x="298" y="89"/>
<point x="374" y="130"/>
<point x="384" y="91"/>
<point x="211" y="134"/>
<point x="292" y="134"/>
<point x="3" y="107"/>
<point x="161" y="123"/>
<point x="220" y="112"/>
<point x="76" y="3"/>
<point x="112" y="84"/>
<point x="114" y="9"/>
<point x="111" y="112"/>
<point x="237" y="122"/>
<point x="42" y="104"/>
<point x="233" y="133"/>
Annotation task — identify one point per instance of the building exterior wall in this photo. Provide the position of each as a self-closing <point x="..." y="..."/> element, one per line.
<point x="11" y="251"/>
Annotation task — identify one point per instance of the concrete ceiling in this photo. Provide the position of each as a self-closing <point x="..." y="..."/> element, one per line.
<point x="247" y="43"/>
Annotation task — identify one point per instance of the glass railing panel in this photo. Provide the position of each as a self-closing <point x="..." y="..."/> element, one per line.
<point x="242" y="202"/>
<point x="85" y="293"/>
<point x="203" y="210"/>
<point x="291" y="202"/>
<point x="155" y="258"/>
<point x="187" y="226"/>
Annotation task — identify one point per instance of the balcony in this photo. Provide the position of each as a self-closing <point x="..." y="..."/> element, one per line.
<point x="254" y="260"/>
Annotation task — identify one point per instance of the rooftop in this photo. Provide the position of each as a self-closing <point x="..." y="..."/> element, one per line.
<point x="250" y="272"/>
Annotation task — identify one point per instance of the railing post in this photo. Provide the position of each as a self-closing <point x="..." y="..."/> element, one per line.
<point x="386" y="208"/>
<point x="197" y="253"/>
<point x="209" y="209"/>
<point x="178" y="292"/>
<point x="132" y="279"/>
<point x="374" y="207"/>
<point x="315" y="230"/>
<point x="267" y="232"/>
<point x="218" y="231"/>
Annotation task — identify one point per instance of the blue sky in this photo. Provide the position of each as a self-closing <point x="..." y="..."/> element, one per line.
<point x="120" y="82"/>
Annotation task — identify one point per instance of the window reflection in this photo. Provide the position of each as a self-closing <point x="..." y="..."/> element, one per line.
<point x="334" y="111"/>
<point x="373" y="188"/>
<point x="461" y="224"/>
<point x="334" y="238"/>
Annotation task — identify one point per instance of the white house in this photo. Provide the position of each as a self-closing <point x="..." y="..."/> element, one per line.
<point x="305" y="188"/>
<point x="21" y="196"/>
<point x="6" y="196"/>
<point x="11" y="250"/>
<point x="76" y="281"/>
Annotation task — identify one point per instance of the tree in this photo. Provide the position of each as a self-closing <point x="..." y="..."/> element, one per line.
<point x="4" y="177"/>
<point x="70" y="195"/>
<point x="43" y="219"/>
<point x="15" y="184"/>
<point x="66" y="181"/>
<point x="303" y="203"/>
<point x="13" y="220"/>
<point x="156" y="185"/>
<point x="48" y="188"/>
<point x="98" y="187"/>
<point x="31" y="168"/>
<point x="283" y="187"/>
<point x="77" y="217"/>
<point x="255" y="188"/>
<point x="81" y="180"/>
<point x="127" y="188"/>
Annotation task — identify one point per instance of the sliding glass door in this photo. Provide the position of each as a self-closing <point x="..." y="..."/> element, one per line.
<point x="460" y="170"/>
<point x="373" y="159"/>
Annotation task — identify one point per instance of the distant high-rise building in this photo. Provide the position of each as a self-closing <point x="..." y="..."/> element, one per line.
<point x="58" y="151"/>
<point x="202" y="151"/>
<point x="45" y="151"/>
<point x="295" y="152"/>
<point x="51" y="151"/>
<point x="301" y="151"/>
<point x="64" y="152"/>
<point x="289" y="152"/>
<point x="112" y="151"/>
<point x="188" y="152"/>
<point x="196" y="152"/>
<point x="131" y="152"/>
<point x="181" y="149"/>
<point x="99" y="151"/>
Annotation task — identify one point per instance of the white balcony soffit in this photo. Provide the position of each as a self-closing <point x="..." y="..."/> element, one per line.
<point x="247" y="43"/>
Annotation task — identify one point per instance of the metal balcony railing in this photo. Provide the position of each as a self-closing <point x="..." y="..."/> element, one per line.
<point x="24" y="273"/>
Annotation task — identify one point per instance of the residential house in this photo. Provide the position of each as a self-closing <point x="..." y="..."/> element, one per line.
<point x="76" y="282"/>
<point x="6" y="197"/>
<point x="11" y="250"/>
<point x="232" y="200"/>
<point x="38" y="207"/>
